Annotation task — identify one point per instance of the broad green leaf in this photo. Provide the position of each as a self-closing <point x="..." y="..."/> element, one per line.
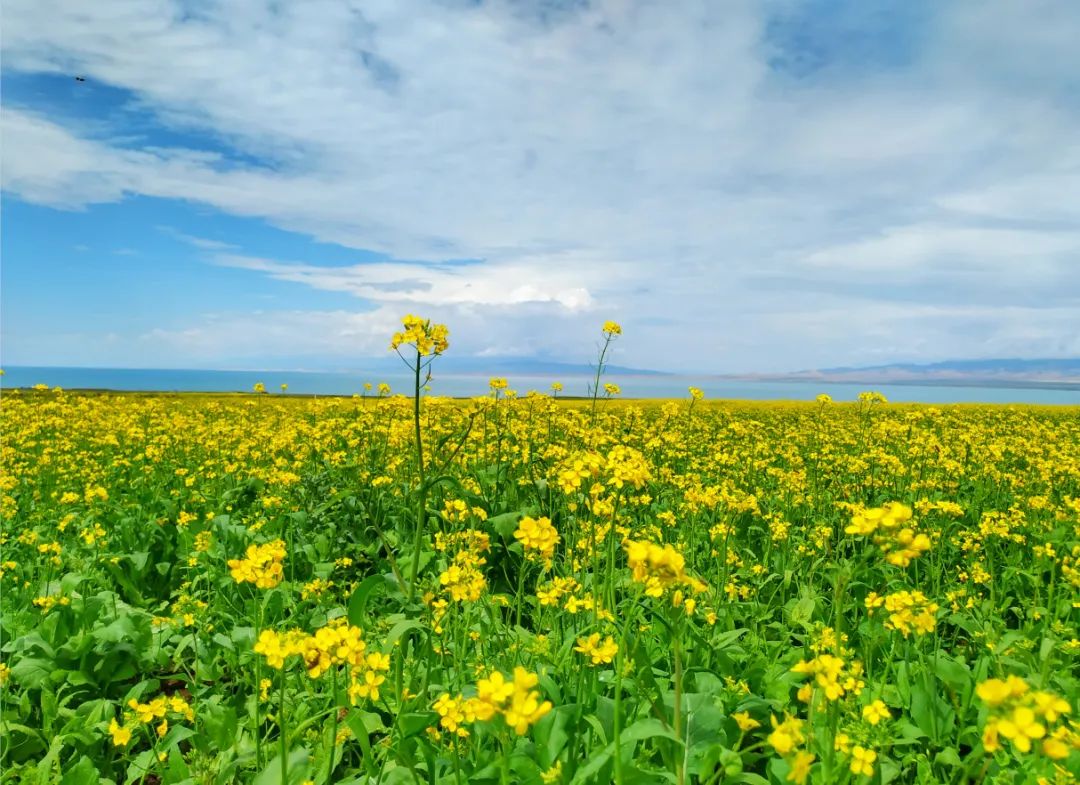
<point x="297" y="765"/>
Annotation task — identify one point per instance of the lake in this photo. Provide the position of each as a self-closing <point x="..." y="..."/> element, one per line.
<point x="458" y="385"/>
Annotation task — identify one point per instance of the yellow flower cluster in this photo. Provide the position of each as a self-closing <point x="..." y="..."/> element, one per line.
<point x="832" y="675"/>
<point x="261" y="565"/>
<point x="889" y="527"/>
<point x="338" y="643"/>
<point x="658" y="567"/>
<point x="463" y="580"/>
<point x="785" y="738"/>
<point x="626" y="466"/>
<point x="517" y="701"/>
<point x="1022" y="716"/>
<point x="456" y="511"/>
<point x="538" y="537"/>
<point x="153" y="713"/>
<point x="599" y="652"/>
<point x="50" y="601"/>
<point x="276" y="647"/>
<point x="579" y="469"/>
<point x="428" y="338"/>
<point x="366" y="680"/>
<point x="565" y="592"/>
<point x="909" y="611"/>
<point x="315" y="588"/>
<point x="612" y="328"/>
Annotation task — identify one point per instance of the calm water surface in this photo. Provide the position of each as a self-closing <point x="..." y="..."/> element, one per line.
<point x="645" y="386"/>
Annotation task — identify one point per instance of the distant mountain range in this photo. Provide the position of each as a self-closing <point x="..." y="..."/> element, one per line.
<point x="532" y="366"/>
<point x="1040" y="372"/>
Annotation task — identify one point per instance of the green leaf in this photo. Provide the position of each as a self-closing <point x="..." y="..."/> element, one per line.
<point x="402" y="628"/>
<point x="949" y="758"/>
<point x="593" y="765"/>
<point x="506" y="524"/>
<point x="31" y="672"/>
<point x="296" y="768"/>
<point x="82" y="773"/>
<point x="551" y="734"/>
<point x="220" y="724"/>
<point x="955" y="673"/>
<point x="802" y="611"/>
<point x="414" y="722"/>
<point x="360" y="596"/>
<point x="726" y="639"/>
<point x="120" y="629"/>
<point x="649" y="728"/>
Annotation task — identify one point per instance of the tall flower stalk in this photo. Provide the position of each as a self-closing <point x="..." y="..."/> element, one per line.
<point x="611" y="330"/>
<point x="428" y="341"/>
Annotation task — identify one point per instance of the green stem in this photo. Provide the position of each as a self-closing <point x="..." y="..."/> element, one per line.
<point x="333" y="733"/>
<point x="282" y="729"/>
<point x="596" y="381"/>
<point x="258" y="682"/>
<point x="680" y="772"/>
<point x="422" y="489"/>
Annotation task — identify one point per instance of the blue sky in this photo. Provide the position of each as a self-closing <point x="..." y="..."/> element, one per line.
<point x="746" y="186"/>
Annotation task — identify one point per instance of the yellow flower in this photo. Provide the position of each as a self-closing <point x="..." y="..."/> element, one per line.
<point x="875" y="712"/>
<point x="800" y="767"/>
<point x="657" y="567"/>
<point x="599" y="652"/>
<point x="612" y="328"/>
<point x="1049" y="706"/>
<point x="552" y="775"/>
<point x="451" y="711"/>
<point x="1021" y="728"/>
<point x="862" y="761"/>
<point x="525" y="707"/>
<point x="538" y="537"/>
<point x="786" y="735"/>
<point x="261" y="565"/>
<point x="1055" y="746"/>
<point x="427" y="338"/>
<point x="121" y="734"/>
<point x="745" y="722"/>
<point x="993" y="692"/>
<point x="494" y="690"/>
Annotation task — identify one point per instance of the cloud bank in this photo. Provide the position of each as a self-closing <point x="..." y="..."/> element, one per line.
<point x="747" y="186"/>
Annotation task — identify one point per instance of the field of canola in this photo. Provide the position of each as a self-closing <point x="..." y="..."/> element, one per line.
<point x="269" y="589"/>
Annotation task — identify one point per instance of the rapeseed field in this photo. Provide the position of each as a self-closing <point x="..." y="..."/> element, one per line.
<point x="524" y="589"/>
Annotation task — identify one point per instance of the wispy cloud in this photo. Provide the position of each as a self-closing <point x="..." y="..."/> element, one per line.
<point x="202" y="243"/>
<point x="540" y="281"/>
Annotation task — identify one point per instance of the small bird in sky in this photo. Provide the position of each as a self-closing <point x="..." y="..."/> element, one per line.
<point x="80" y="78"/>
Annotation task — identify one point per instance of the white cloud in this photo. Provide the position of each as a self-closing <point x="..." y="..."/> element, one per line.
<point x="638" y="160"/>
<point x="541" y="281"/>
